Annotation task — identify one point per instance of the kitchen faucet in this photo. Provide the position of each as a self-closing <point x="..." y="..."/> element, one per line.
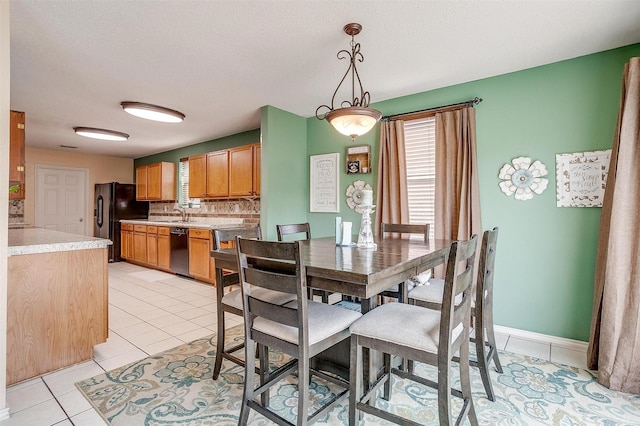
<point x="183" y="212"/>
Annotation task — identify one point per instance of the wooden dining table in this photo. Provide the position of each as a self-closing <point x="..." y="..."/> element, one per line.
<point x="356" y="271"/>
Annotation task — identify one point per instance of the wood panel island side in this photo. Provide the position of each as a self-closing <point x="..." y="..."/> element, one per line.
<point x="57" y="300"/>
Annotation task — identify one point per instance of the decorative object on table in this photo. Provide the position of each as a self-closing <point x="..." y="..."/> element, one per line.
<point x="356" y="118"/>
<point x="365" y="236"/>
<point x="581" y="178"/>
<point x="522" y="178"/>
<point x="325" y="181"/>
<point x="361" y="154"/>
<point x="354" y="193"/>
<point x="353" y="167"/>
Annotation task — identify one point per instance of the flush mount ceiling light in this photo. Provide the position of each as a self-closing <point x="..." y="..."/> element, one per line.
<point x="354" y="118"/>
<point x="153" y="112"/>
<point x="108" y="135"/>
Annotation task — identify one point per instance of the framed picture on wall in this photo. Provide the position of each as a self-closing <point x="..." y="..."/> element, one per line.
<point x="325" y="182"/>
<point x="581" y="178"/>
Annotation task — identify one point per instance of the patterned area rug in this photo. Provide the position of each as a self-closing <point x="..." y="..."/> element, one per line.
<point x="175" y="388"/>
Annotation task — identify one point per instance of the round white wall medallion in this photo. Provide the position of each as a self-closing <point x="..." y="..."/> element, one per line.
<point x="523" y="178"/>
<point x="354" y="193"/>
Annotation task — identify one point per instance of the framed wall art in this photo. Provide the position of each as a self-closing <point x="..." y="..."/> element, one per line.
<point x="581" y="178"/>
<point x="325" y="182"/>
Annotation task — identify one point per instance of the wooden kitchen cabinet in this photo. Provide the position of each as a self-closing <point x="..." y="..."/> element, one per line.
<point x="256" y="168"/>
<point x="218" y="174"/>
<point x="209" y="175"/>
<point x="164" y="248"/>
<point x="241" y="171"/>
<point x="140" y="243"/>
<point x="198" y="176"/>
<point x="156" y="182"/>
<point x="201" y="264"/>
<point x="16" y="154"/>
<point x="152" y="245"/>
<point x="126" y="241"/>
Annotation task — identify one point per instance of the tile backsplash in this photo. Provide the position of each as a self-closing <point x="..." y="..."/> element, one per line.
<point x="16" y="211"/>
<point x="243" y="208"/>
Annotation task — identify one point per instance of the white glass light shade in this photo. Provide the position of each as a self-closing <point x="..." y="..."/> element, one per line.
<point x="353" y="121"/>
<point x="104" y="134"/>
<point x="153" y="112"/>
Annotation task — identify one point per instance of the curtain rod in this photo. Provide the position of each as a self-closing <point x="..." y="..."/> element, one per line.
<point x="474" y="101"/>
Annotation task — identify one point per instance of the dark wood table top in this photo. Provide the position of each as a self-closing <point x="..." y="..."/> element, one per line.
<point x="356" y="271"/>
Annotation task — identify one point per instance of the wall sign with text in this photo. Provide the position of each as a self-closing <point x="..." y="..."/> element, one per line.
<point x="581" y="178"/>
<point x="324" y="181"/>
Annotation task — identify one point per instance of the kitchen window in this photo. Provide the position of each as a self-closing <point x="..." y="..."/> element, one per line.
<point x="183" y="186"/>
<point x="420" y="151"/>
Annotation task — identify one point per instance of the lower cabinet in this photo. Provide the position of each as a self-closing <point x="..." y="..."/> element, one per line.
<point x="164" y="248"/>
<point x="201" y="264"/>
<point x="126" y="241"/>
<point x="140" y="243"/>
<point x="152" y="245"/>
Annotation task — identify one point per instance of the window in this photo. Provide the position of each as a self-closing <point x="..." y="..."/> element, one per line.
<point x="183" y="185"/>
<point x="420" y="150"/>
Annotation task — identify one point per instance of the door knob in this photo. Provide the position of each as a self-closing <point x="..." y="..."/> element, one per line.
<point x="81" y="219"/>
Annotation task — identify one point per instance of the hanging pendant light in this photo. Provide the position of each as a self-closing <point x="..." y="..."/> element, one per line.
<point x="354" y="118"/>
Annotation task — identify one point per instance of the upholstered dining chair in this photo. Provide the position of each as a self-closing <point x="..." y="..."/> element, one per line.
<point x="232" y="301"/>
<point x="300" y="329"/>
<point x="297" y="230"/>
<point x="430" y="296"/>
<point x="433" y="338"/>
<point x="389" y="230"/>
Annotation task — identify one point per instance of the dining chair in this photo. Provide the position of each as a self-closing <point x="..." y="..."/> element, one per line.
<point x="300" y="329"/>
<point x="430" y="296"/>
<point x="433" y="338"/>
<point x="390" y="230"/>
<point x="296" y="229"/>
<point x="232" y="301"/>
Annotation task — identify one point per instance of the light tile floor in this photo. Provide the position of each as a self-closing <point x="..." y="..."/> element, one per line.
<point x="149" y="312"/>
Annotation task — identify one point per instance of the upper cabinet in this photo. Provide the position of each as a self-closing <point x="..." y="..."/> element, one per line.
<point x="16" y="155"/>
<point x="156" y="182"/>
<point x="228" y="173"/>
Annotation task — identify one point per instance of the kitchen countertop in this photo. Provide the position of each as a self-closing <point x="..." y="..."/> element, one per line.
<point x="40" y="240"/>
<point x="212" y="223"/>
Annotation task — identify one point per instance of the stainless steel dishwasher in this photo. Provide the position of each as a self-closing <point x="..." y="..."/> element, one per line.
<point x="179" y="238"/>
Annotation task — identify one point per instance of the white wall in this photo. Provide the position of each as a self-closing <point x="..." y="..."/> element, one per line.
<point x="5" y="71"/>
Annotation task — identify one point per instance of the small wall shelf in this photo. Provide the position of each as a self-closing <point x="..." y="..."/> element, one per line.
<point x="358" y="159"/>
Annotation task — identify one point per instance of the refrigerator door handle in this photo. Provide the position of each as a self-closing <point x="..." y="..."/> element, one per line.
<point x="100" y="208"/>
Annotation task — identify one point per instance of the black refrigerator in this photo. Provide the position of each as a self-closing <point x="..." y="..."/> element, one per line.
<point x="114" y="201"/>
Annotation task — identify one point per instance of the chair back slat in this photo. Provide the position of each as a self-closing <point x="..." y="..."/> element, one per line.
<point x="294" y="228"/>
<point x="277" y="313"/>
<point x="395" y="229"/>
<point x="229" y="235"/>
<point x="272" y="279"/>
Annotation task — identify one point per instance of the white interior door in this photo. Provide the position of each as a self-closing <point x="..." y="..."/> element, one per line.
<point x="61" y="199"/>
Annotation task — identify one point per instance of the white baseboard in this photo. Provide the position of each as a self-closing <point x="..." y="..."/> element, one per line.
<point x="576" y="345"/>
<point x="4" y="414"/>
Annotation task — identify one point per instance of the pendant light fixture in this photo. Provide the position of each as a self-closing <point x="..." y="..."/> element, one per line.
<point x="104" y="134"/>
<point x="153" y="112"/>
<point x="354" y="118"/>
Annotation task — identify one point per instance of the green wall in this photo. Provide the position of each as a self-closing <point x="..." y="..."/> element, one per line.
<point x="545" y="259"/>
<point x="174" y="156"/>
<point x="285" y="169"/>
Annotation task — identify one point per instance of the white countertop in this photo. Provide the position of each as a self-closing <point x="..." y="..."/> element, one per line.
<point x="40" y="240"/>
<point x="211" y="223"/>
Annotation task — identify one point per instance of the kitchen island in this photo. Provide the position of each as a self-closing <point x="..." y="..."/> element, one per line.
<point x="57" y="300"/>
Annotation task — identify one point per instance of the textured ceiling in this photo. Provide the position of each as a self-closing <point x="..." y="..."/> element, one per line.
<point x="218" y="62"/>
